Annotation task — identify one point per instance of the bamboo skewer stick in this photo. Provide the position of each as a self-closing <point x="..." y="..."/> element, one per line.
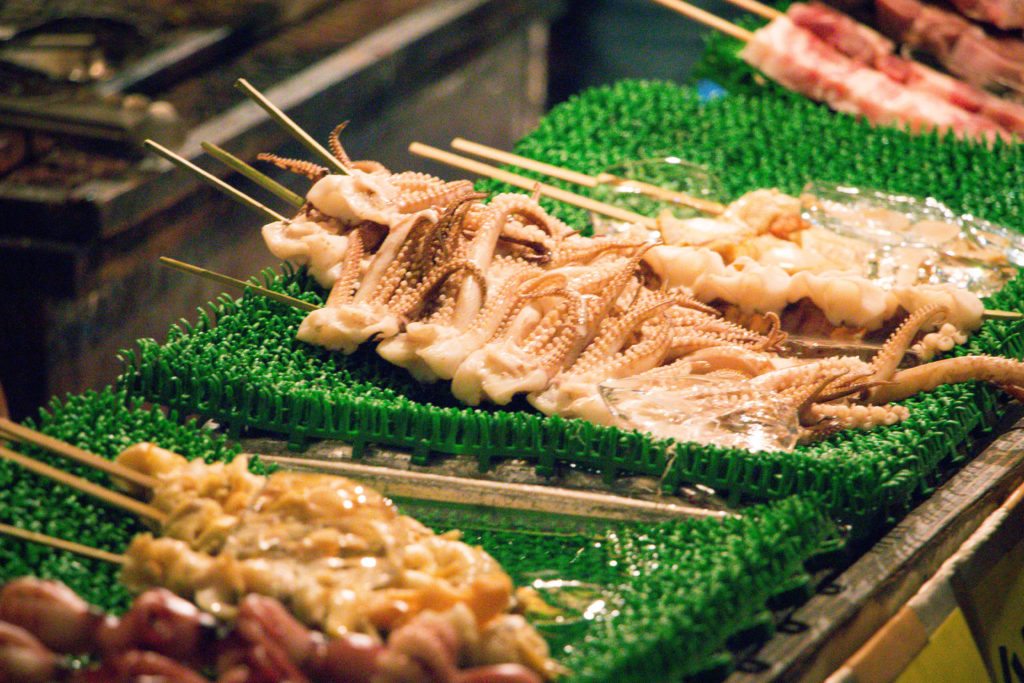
<point x="237" y="195"/>
<point x="106" y="495"/>
<point x="240" y="284"/>
<point x="728" y="28"/>
<point x="61" y="544"/>
<point x="708" y="19"/>
<point x="661" y="193"/>
<point x="511" y="159"/>
<point x="992" y="314"/>
<point x="20" y="433"/>
<point x="261" y="179"/>
<point x="758" y="8"/>
<point x="285" y="122"/>
<point x="578" y="200"/>
<point x="703" y="205"/>
<point x="489" y="171"/>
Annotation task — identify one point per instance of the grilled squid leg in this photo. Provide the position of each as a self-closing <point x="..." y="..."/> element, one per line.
<point x="1007" y="373"/>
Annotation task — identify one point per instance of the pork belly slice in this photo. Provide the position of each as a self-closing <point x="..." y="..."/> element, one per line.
<point x="961" y="47"/>
<point x="799" y="60"/>
<point x="866" y="46"/>
<point x="1006" y="14"/>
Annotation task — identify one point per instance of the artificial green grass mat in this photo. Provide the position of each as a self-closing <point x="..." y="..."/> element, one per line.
<point x="674" y="591"/>
<point x="240" y="363"/>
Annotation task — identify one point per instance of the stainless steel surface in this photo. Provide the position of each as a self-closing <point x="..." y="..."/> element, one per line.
<point x="816" y="638"/>
<point x="482" y="493"/>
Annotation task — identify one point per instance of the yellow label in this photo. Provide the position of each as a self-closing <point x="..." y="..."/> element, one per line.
<point x="950" y="655"/>
<point x="996" y="608"/>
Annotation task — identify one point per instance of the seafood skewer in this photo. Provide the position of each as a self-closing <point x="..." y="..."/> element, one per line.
<point x="544" y="306"/>
<point x="44" y="625"/>
<point x="416" y="263"/>
<point x="338" y="553"/>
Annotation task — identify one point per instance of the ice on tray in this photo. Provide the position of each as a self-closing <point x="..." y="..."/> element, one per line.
<point x="709" y="411"/>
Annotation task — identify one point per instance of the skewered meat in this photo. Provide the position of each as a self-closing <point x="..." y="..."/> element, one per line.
<point x="846" y="35"/>
<point x="801" y="61"/>
<point x="960" y="46"/>
<point x="338" y="554"/>
<point x="163" y="639"/>
<point x="159" y="621"/>
<point x="1002" y="13"/>
<point x="53" y="612"/>
<point x="23" y="658"/>
<point x="867" y="47"/>
<point x="140" y="665"/>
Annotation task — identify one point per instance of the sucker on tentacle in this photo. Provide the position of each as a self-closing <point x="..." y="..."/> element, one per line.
<point x="297" y="166"/>
<point x="334" y="142"/>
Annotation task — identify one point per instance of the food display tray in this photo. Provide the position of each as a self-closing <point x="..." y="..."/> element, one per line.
<point x="658" y="598"/>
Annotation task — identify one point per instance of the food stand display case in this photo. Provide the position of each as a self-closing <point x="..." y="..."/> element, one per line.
<point x="658" y="559"/>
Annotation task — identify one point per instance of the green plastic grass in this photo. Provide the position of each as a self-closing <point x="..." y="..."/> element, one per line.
<point x="248" y="371"/>
<point x="676" y="590"/>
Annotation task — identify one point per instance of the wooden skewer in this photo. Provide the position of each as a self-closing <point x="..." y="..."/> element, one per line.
<point x="503" y="157"/>
<point x="53" y="542"/>
<point x="529" y="184"/>
<point x="261" y="179"/>
<point x="583" y="202"/>
<point x="53" y="445"/>
<point x="992" y="314"/>
<point x="240" y="284"/>
<point x="661" y="193"/>
<point x="755" y="7"/>
<point x="237" y="195"/>
<point x="708" y="19"/>
<point x="112" y="497"/>
<point x="285" y="122"/>
<point x="703" y="205"/>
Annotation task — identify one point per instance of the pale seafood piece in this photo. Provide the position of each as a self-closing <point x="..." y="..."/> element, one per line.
<point x="344" y="328"/>
<point x="846" y="300"/>
<point x="700" y="231"/>
<point x="940" y="341"/>
<point x="574" y="397"/>
<point x="349" y="323"/>
<point x="497" y="372"/>
<point x="766" y="211"/>
<point x="356" y="197"/>
<point x="306" y="243"/>
<point x="684" y="266"/>
<point x="336" y="552"/>
<point x="752" y="287"/>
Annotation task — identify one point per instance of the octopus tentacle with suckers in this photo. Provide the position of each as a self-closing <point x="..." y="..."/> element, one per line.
<point x="504" y="300"/>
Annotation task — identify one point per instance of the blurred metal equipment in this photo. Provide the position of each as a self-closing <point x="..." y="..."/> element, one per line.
<point x="85" y="213"/>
